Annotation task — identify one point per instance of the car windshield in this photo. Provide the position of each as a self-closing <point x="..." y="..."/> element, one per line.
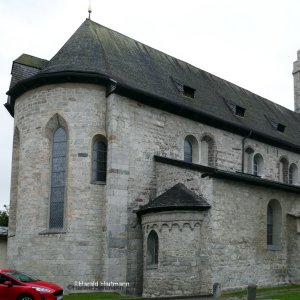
<point x="21" y="276"/>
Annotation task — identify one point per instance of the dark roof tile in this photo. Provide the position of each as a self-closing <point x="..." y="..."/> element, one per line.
<point x="179" y="197"/>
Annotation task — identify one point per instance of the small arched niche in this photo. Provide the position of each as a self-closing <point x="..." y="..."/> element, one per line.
<point x="208" y="151"/>
<point x="248" y="159"/>
<point x="293" y="174"/>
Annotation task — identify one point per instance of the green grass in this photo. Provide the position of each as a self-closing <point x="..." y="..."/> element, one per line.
<point x="286" y="292"/>
<point x="280" y="288"/>
<point x="95" y="296"/>
<point x="234" y="294"/>
<point x="285" y="296"/>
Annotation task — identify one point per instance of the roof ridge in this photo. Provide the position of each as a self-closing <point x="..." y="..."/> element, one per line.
<point x="107" y="67"/>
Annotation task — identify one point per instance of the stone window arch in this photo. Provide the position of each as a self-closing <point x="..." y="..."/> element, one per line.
<point x="248" y="159"/>
<point x="208" y="151"/>
<point x="191" y="149"/>
<point x="99" y="159"/>
<point x="293" y="174"/>
<point x="58" y="178"/>
<point x="57" y="133"/>
<point x="283" y="170"/>
<point x="274" y="225"/>
<point x="258" y="164"/>
<point x="152" y="248"/>
<point x="14" y="180"/>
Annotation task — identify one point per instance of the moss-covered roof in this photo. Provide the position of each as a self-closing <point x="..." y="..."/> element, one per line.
<point x="98" y="54"/>
<point x="31" y="61"/>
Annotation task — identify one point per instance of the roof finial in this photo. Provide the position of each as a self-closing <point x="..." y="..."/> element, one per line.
<point x="90" y="9"/>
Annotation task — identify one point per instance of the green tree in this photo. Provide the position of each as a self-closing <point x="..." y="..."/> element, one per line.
<point x="4" y="214"/>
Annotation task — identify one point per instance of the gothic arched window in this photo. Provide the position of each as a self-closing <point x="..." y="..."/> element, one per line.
<point x="188" y="151"/>
<point x="191" y="149"/>
<point x="270" y="225"/>
<point x="99" y="160"/>
<point x="58" y="178"/>
<point x="152" y="248"/>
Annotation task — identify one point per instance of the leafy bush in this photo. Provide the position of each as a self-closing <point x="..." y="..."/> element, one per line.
<point x="4" y="214"/>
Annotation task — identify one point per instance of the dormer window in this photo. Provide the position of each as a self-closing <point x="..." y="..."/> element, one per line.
<point x="188" y="91"/>
<point x="280" y="127"/>
<point x="239" y="111"/>
<point x="276" y="125"/>
<point x="185" y="90"/>
<point x="236" y="109"/>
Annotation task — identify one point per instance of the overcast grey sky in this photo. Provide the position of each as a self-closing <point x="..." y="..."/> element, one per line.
<point x="250" y="43"/>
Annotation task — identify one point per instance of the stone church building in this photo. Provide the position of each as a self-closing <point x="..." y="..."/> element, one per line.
<point x="130" y="165"/>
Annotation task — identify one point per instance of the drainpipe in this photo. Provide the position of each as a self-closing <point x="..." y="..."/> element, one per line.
<point x="243" y="149"/>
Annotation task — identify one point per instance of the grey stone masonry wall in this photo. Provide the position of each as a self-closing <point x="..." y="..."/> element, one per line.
<point x="240" y="254"/>
<point x="183" y="267"/>
<point x="103" y="237"/>
<point x="156" y="132"/>
<point x="139" y="132"/>
<point x="237" y="229"/>
<point x="117" y="190"/>
<point x="293" y="246"/>
<point x="296" y="74"/>
<point x="14" y="182"/>
<point x="79" y="252"/>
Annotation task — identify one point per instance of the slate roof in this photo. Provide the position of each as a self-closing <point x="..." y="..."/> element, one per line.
<point x="179" y="197"/>
<point x="97" y="54"/>
<point x="24" y="67"/>
<point x="31" y="61"/>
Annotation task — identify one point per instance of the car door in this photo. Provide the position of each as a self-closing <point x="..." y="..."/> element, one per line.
<point x="11" y="292"/>
<point x="6" y="292"/>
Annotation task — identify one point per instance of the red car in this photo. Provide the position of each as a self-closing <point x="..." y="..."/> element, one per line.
<point x="16" y="285"/>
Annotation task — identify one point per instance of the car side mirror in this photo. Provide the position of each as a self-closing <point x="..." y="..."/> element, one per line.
<point x="8" y="283"/>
